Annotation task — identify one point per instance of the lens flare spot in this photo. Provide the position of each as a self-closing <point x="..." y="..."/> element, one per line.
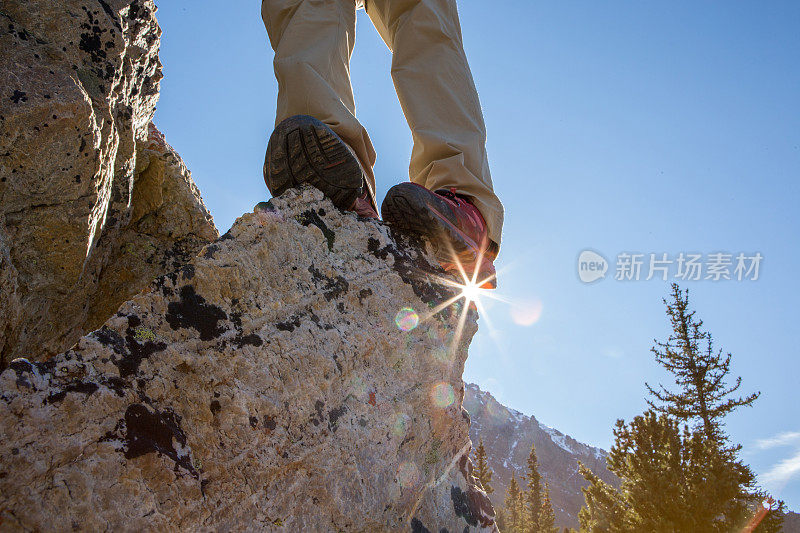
<point x="357" y="387"/>
<point x="406" y="319"/>
<point x="407" y="474"/>
<point x="495" y="411"/>
<point x="527" y="313"/>
<point x="441" y="354"/>
<point x="443" y="395"/>
<point x="400" y="424"/>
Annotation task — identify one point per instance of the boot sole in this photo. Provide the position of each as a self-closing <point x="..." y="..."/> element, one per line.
<point x="411" y="208"/>
<point x="303" y="150"/>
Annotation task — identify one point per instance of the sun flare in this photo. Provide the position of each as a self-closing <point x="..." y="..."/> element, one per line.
<point x="468" y="293"/>
<point x="471" y="291"/>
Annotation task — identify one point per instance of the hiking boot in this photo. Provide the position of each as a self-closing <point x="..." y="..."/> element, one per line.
<point x="302" y="150"/>
<point x="454" y="226"/>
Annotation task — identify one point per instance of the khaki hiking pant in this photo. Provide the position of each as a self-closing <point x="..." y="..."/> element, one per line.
<point x="313" y="42"/>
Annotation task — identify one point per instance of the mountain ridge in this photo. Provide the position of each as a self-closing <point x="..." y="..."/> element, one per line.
<point x="508" y="434"/>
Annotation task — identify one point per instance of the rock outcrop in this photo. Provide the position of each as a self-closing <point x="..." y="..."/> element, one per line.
<point x="93" y="203"/>
<point x="292" y="377"/>
<point x="508" y="435"/>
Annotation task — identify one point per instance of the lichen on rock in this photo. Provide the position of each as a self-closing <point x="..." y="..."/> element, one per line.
<point x="289" y="375"/>
<point x="263" y="385"/>
<point x="93" y="203"/>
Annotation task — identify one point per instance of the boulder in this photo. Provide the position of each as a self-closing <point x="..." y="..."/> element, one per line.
<point x="296" y="375"/>
<point x="93" y="203"/>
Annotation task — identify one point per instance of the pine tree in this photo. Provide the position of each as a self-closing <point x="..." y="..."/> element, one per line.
<point x="513" y="509"/>
<point x="675" y="478"/>
<point x="482" y="472"/>
<point x="547" y="517"/>
<point x="604" y="507"/>
<point x="533" y="494"/>
<point x="500" y="518"/>
<point x="700" y="372"/>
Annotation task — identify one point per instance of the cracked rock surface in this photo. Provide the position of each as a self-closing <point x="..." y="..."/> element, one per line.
<point x="93" y="203"/>
<point x="265" y="384"/>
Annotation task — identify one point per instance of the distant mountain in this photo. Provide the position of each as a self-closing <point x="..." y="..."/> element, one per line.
<point x="507" y="436"/>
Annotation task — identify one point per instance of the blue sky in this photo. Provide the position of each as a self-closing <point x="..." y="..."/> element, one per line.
<point x="639" y="127"/>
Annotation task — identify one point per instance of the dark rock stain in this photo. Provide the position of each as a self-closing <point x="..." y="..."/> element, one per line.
<point x="338" y="364"/>
<point x="110" y="12"/>
<point x="242" y="340"/>
<point x="319" y="416"/>
<point x="267" y="207"/>
<point x="269" y="423"/>
<point x="161" y="284"/>
<point x="461" y="505"/>
<point x="210" y="251"/>
<point x="248" y="340"/>
<point x="108" y="337"/>
<point x="91" y="39"/>
<point x="318" y="321"/>
<point x="188" y="272"/>
<point x="417" y="527"/>
<point x="45" y="367"/>
<point x="363" y="294"/>
<point x="407" y="439"/>
<point x="412" y="268"/>
<point x="153" y="432"/>
<point x="465" y="466"/>
<point x="306" y="218"/>
<point x="236" y="316"/>
<point x="19" y="96"/>
<point x="289" y="325"/>
<point x="481" y="507"/>
<point x="118" y="385"/>
<point x="331" y="287"/>
<point x="131" y="350"/>
<point x="22" y="367"/>
<point x="192" y="311"/>
<point x="83" y="387"/>
<point x="333" y="417"/>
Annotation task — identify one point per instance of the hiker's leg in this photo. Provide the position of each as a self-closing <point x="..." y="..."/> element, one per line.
<point x="313" y="41"/>
<point x="438" y="96"/>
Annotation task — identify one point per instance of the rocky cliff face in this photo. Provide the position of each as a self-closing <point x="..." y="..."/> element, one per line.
<point x="508" y="435"/>
<point x="93" y="202"/>
<point x="290" y="376"/>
